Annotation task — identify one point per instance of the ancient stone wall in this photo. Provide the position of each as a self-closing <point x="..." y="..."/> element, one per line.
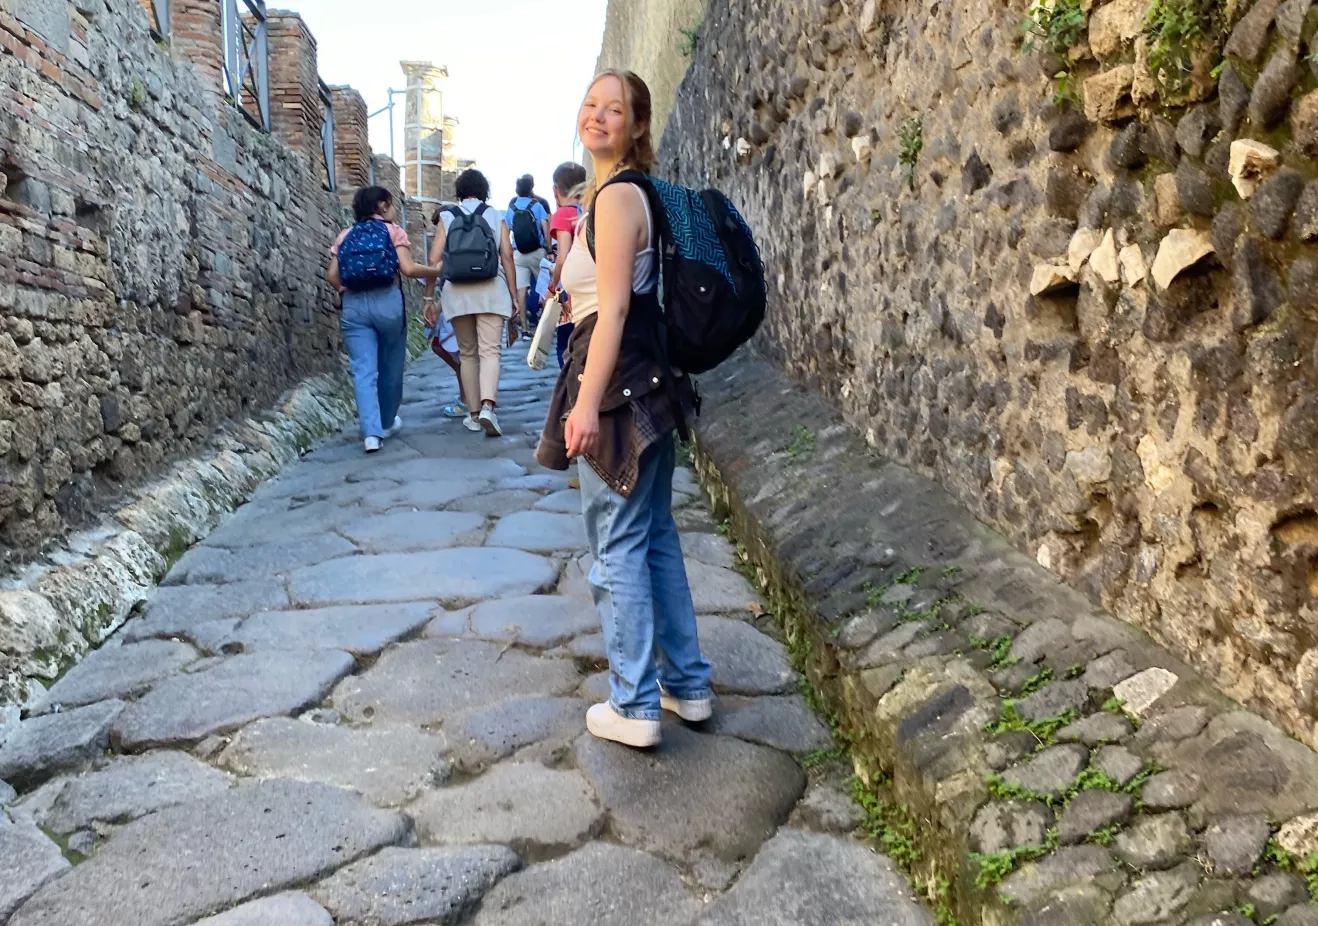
<point x="656" y="39"/>
<point x="161" y="261"/>
<point x="1070" y="272"/>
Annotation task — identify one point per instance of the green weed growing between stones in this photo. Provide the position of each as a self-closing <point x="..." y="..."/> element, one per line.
<point x="890" y="825"/>
<point x="1001" y="650"/>
<point x="1306" y="868"/>
<point x="874" y="593"/>
<point x="937" y="892"/>
<point x="690" y="40"/>
<point x="1037" y="681"/>
<point x="1095" y="779"/>
<point x="994" y="866"/>
<point x="802" y="444"/>
<point x="137" y="96"/>
<point x="1114" y="705"/>
<point x="1005" y="790"/>
<point x="1177" y="29"/>
<point x="911" y="138"/>
<point x="1104" y="835"/>
<point x="910" y="576"/>
<point x="1053" y="28"/>
<point x="1044" y="729"/>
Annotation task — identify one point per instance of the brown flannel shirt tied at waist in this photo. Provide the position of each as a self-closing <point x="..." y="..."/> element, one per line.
<point x="635" y="413"/>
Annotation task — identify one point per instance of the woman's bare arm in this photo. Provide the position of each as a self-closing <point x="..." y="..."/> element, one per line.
<point x="411" y="268"/>
<point x="333" y="274"/>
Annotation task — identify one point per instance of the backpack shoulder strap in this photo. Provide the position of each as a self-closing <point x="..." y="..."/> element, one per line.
<point x="658" y="215"/>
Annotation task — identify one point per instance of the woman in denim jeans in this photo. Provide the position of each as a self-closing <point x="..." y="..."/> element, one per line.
<point x="375" y="326"/>
<point x="616" y="406"/>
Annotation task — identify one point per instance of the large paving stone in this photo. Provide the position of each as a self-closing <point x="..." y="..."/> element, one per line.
<point x="401" y="531"/>
<point x="28" y="859"/>
<point x="600" y="884"/>
<point x="745" y="661"/>
<point x="534" y="620"/>
<point x="291" y="909"/>
<point x="362" y="630"/>
<point x="131" y="787"/>
<point x="236" y="691"/>
<point x="481" y="737"/>
<point x="173" y="609"/>
<point x="50" y="743"/>
<point x="808" y="879"/>
<point x="209" y="564"/>
<point x="116" y="672"/>
<point x="448" y="469"/>
<point x="400" y="886"/>
<point x="732" y="794"/>
<point x="539" y="532"/>
<point x="710" y="549"/>
<point x="455" y="577"/>
<point x="497" y="504"/>
<point x="539" y="812"/>
<point x="253" y="524"/>
<point x="538" y="482"/>
<point x="388" y="766"/>
<point x="427" y="681"/>
<point x="428" y="496"/>
<point x="185" y="862"/>
<point x="781" y="722"/>
<point x="716" y="590"/>
<point x="567" y="501"/>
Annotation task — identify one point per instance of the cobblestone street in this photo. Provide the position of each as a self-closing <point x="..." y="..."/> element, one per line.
<point x="361" y="700"/>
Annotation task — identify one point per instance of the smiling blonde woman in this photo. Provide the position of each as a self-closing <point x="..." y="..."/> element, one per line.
<point x="616" y="406"/>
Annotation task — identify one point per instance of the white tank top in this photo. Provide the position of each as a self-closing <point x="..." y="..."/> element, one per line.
<point x="579" y="268"/>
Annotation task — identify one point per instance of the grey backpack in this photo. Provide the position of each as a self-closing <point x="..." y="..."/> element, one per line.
<point x="471" y="253"/>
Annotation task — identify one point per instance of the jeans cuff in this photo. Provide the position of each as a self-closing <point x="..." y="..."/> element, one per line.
<point x="634" y="714"/>
<point x="694" y="694"/>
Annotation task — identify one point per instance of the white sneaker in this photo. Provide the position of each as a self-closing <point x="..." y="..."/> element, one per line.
<point x="372" y="444"/>
<point x="490" y="422"/>
<point x="606" y="723"/>
<point x="693" y="710"/>
<point x="470" y="423"/>
<point x="395" y="427"/>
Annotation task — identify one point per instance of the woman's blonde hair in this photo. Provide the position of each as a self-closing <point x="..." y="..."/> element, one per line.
<point x="636" y="94"/>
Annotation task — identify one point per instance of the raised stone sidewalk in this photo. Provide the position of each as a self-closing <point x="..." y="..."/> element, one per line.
<point x="1037" y="762"/>
<point x="361" y="700"/>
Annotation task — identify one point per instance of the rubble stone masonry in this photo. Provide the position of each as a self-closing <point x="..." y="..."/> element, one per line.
<point x="1075" y="281"/>
<point x="161" y="261"/>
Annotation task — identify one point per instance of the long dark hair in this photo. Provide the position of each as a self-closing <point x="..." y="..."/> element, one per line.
<point x="370" y="201"/>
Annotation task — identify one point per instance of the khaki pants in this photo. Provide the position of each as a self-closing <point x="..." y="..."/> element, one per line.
<point x="480" y="341"/>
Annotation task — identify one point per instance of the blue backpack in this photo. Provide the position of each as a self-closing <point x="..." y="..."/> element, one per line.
<point x="367" y="257"/>
<point x="711" y="275"/>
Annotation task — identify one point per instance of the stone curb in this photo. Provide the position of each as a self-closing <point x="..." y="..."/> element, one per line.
<point x="55" y="613"/>
<point x="1057" y="765"/>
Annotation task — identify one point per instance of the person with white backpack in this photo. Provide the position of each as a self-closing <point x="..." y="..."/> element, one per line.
<point x="473" y="248"/>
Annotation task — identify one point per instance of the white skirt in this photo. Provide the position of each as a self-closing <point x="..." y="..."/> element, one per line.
<point x="488" y="297"/>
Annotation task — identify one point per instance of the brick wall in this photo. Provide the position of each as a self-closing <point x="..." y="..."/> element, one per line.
<point x="161" y="262"/>
<point x="352" y="149"/>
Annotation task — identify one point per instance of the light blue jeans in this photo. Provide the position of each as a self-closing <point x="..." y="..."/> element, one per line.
<point x="375" y="334"/>
<point x="640" y="588"/>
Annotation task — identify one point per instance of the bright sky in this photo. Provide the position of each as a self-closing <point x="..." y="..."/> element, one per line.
<point x="517" y="72"/>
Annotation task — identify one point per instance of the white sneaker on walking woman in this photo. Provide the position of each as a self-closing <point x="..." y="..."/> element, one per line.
<point x="470" y="423"/>
<point x="692" y="710"/>
<point x="490" y="422"/>
<point x="606" y="723"/>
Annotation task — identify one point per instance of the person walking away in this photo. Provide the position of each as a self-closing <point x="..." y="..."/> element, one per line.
<point x="569" y="184"/>
<point x="473" y="247"/>
<point x="365" y="262"/>
<point x="528" y="221"/>
<point x="615" y="407"/>
<point x="444" y="344"/>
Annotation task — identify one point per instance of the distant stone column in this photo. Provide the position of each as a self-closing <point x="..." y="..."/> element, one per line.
<point x="423" y="145"/>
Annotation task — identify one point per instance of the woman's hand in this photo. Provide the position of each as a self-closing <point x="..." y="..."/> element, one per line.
<point x="581" y="431"/>
<point x="431" y="312"/>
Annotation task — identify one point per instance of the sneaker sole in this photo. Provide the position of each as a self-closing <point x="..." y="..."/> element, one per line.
<point x="491" y="429"/>
<point x="691" y="712"/>
<point x="628" y="736"/>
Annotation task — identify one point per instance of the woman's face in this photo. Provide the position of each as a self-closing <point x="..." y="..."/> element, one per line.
<point x="602" y="122"/>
